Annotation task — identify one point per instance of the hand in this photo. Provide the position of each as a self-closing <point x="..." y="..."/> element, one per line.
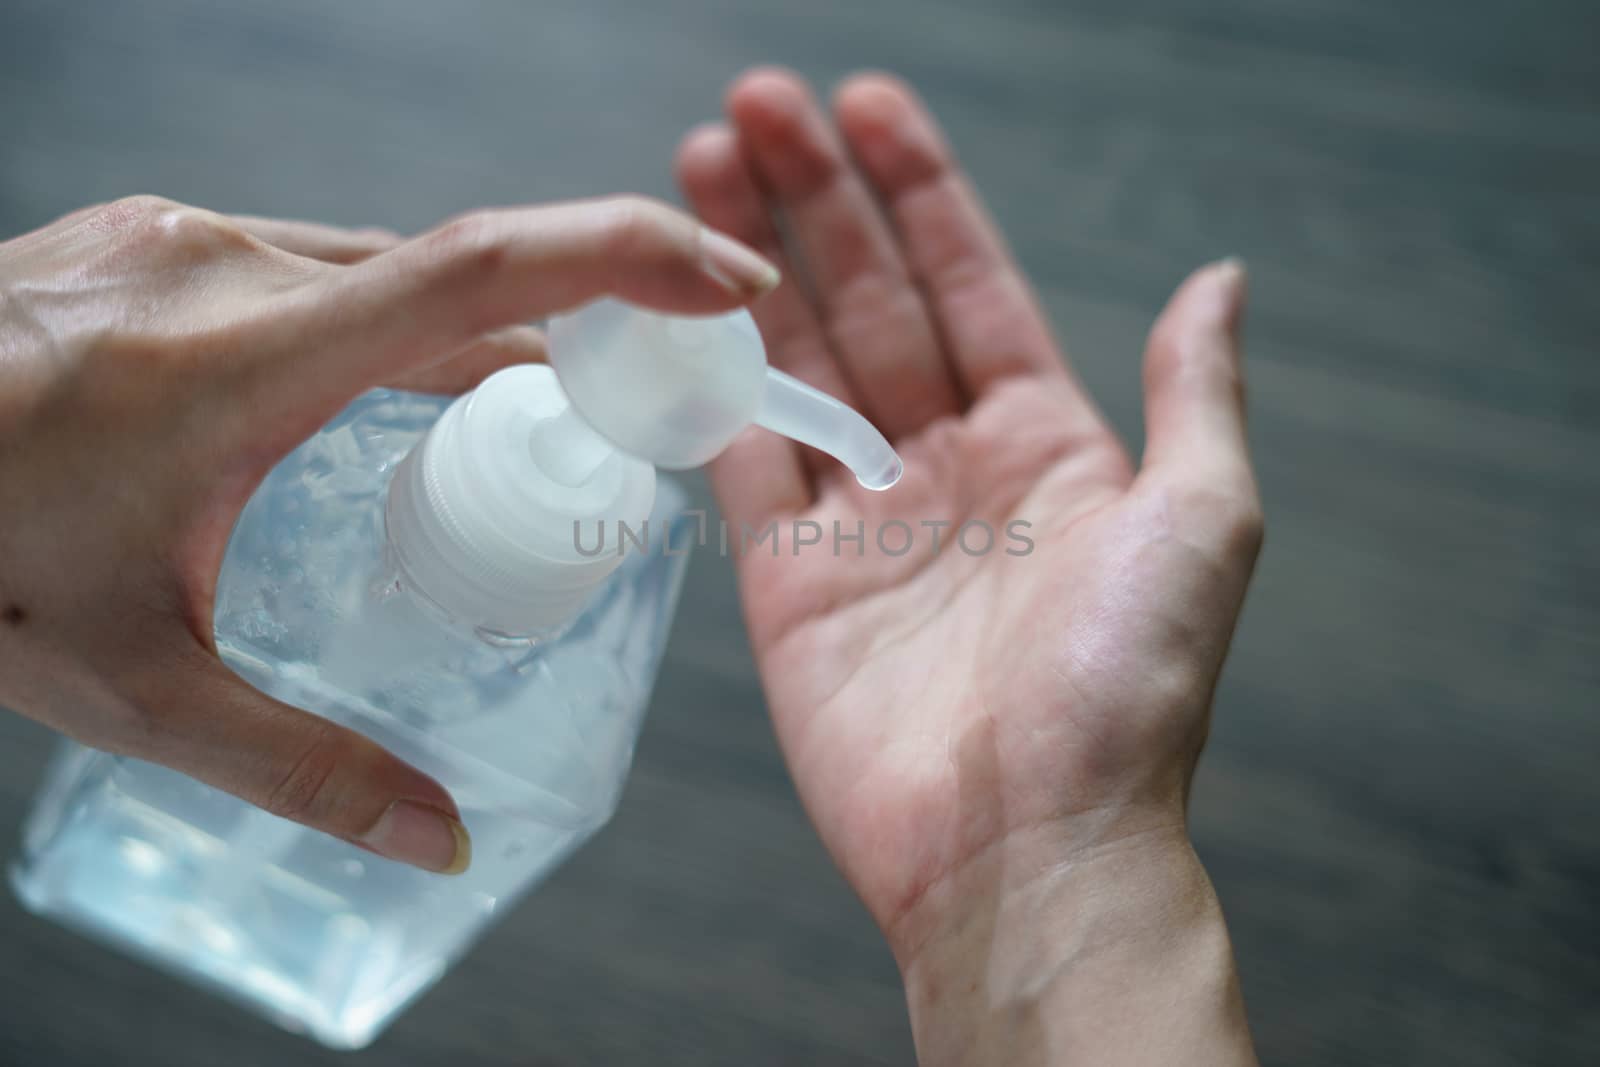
<point x="156" y="360"/>
<point x="996" y="748"/>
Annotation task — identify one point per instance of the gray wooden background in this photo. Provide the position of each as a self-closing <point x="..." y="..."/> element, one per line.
<point x="1401" y="804"/>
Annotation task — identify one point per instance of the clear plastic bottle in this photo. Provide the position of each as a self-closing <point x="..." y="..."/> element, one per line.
<point x="449" y="579"/>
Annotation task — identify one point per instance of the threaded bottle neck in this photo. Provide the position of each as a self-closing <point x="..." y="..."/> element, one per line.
<point x="486" y="514"/>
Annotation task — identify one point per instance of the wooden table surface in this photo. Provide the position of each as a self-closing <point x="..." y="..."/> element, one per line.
<point x="1401" y="803"/>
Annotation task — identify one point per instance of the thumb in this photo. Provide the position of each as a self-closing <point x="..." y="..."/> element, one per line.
<point x="222" y="731"/>
<point x="1194" y="386"/>
<point x="1197" y="451"/>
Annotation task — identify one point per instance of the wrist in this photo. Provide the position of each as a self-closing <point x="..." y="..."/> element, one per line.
<point x="1111" y="953"/>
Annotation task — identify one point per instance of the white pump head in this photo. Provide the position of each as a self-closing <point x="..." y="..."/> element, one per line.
<point x="676" y="391"/>
<point x="499" y="515"/>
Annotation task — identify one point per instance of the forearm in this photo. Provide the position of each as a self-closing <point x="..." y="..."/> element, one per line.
<point x="1120" y="957"/>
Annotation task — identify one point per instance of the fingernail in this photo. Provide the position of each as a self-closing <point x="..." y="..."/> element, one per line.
<point x="422" y="836"/>
<point x="735" y="266"/>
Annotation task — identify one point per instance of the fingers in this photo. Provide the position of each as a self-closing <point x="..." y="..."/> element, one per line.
<point x="331" y="244"/>
<point x="223" y="732"/>
<point x="1194" y="389"/>
<point x="985" y="308"/>
<point x="869" y="307"/>
<point x="451" y="375"/>
<point x="395" y="312"/>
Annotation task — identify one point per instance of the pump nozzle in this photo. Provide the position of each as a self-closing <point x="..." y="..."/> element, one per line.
<point x="676" y="391"/>
<point x="794" y="409"/>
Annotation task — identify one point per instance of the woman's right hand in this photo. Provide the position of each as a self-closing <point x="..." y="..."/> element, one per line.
<point x="156" y="360"/>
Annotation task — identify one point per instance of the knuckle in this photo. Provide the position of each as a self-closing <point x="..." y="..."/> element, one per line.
<point x="190" y="233"/>
<point x="147" y="229"/>
<point x="300" y="792"/>
<point x="469" y="246"/>
<point x="639" y="227"/>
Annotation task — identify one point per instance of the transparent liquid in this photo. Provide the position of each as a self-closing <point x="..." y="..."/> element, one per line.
<point x="534" y="742"/>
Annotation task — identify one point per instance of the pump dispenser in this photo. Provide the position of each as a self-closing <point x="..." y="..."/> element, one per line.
<point x="485" y="515"/>
<point x="414" y="572"/>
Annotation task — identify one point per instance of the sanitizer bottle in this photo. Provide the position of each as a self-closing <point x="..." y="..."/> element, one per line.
<point x="483" y="586"/>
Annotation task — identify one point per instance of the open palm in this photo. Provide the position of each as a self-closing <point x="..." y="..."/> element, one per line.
<point x="1047" y="671"/>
